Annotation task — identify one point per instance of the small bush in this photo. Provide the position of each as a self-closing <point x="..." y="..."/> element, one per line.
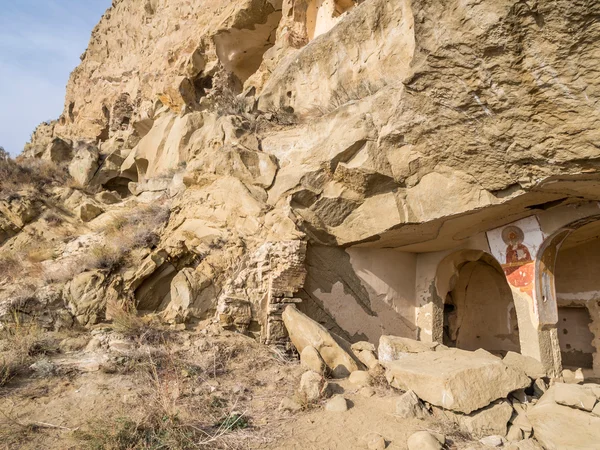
<point x="28" y="172"/>
<point x="21" y="343"/>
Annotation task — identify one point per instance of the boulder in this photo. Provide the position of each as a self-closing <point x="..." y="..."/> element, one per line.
<point x="492" y="441"/>
<point x="84" y="164"/>
<point x="305" y="332"/>
<point x="491" y="420"/>
<point x="392" y="348"/>
<point x="290" y="404"/>
<point x="575" y="396"/>
<point x="573" y="377"/>
<point x="360" y="378"/>
<point x="514" y="434"/>
<point x="234" y="313"/>
<point x="526" y="444"/>
<point x="374" y="441"/>
<point x="311" y="359"/>
<point x="192" y="295"/>
<point x="455" y="379"/>
<point x="88" y="211"/>
<point x="424" y="440"/>
<point x="85" y="297"/>
<point x="313" y="387"/>
<point x="531" y="366"/>
<point x="539" y="387"/>
<point x="337" y="404"/>
<point x="363" y="346"/>
<point x="108" y="197"/>
<point x="559" y="427"/>
<point x="58" y="151"/>
<point x="408" y="406"/>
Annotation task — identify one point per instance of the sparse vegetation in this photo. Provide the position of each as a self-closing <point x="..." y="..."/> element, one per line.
<point x="20" y="343"/>
<point x="34" y="173"/>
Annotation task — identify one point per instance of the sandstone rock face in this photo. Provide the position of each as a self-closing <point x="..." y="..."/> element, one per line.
<point x="85" y="296"/>
<point x="305" y="332"/>
<point x="84" y="164"/>
<point x="562" y="427"/>
<point x="455" y="379"/>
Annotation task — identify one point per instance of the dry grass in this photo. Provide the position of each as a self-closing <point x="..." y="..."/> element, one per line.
<point x="20" y="344"/>
<point x="138" y="229"/>
<point x="35" y="173"/>
<point x="170" y="417"/>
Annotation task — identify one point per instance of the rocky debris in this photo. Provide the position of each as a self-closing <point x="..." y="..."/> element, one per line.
<point x="365" y="353"/>
<point x="108" y="198"/>
<point x="58" y="151"/>
<point x="43" y="368"/>
<point x="290" y="404"/>
<point x="493" y="441"/>
<point x="392" y="348"/>
<point x="532" y="367"/>
<point x="526" y="444"/>
<point x="408" y="406"/>
<point x="455" y="379"/>
<point x="88" y="211"/>
<point x="571" y="377"/>
<point x="234" y="313"/>
<point x="424" y="440"/>
<point x="539" y="387"/>
<point x="304" y="332"/>
<point x="491" y="420"/>
<point x="375" y="441"/>
<point x="360" y="378"/>
<point x="313" y="387"/>
<point x="557" y="426"/>
<point x="367" y="392"/>
<point x="311" y="359"/>
<point x="574" y="395"/>
<point x="337" y="404"/>
<point x="192" y="296"/>
<point x="84" y="164"/>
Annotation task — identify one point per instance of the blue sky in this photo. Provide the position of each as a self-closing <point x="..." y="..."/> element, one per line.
<point x="40" y="44"/>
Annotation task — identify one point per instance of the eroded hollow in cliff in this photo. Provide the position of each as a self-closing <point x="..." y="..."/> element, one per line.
<point x="241" y="51"/>
<point x="323" y="15"/>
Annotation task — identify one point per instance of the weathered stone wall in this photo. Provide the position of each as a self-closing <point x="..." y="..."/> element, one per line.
<point x="361" y="293"/>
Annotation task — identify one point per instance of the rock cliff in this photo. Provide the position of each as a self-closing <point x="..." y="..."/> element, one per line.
<point x="263" y="125"/>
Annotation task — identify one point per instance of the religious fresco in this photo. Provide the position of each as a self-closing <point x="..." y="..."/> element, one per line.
<point x="515" y="246"/>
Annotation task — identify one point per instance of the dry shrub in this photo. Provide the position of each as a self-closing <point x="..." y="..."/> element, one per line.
<point x="28" y="172"/>
<point x="20" y="343"/>
<point x="124" y="318"/>
<point x="138" y="229"/>
<point x="168" y="418"/>
<point x="11" y="265"/>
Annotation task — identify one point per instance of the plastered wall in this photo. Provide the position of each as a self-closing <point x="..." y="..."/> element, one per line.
<point x="361" y="293"/>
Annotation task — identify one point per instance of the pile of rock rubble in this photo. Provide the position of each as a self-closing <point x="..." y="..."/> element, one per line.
<point x="505" y="402"/>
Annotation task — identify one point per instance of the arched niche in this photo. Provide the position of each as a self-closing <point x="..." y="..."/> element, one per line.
<point x="479" y="310"/>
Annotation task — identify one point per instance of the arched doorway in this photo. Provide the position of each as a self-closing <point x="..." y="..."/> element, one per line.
<point x="479" y="311"/>
<point x="577" y="285"/>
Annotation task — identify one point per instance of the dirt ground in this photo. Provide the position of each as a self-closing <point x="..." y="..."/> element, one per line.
<point x="104" y="396"/>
